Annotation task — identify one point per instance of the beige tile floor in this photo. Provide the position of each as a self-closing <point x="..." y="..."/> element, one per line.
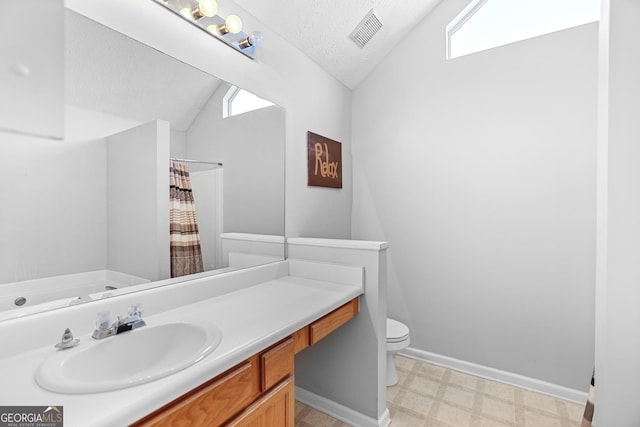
<point x="431" y="396"/>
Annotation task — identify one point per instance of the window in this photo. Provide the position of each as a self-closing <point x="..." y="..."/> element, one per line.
<point x="237" y="101"/>
<point x="486" y="24"/>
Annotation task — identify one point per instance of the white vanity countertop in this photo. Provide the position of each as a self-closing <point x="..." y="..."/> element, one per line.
<point x="250" y="319"/>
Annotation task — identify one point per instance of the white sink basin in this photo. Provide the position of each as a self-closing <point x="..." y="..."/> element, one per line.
<point x="128" y="359"/>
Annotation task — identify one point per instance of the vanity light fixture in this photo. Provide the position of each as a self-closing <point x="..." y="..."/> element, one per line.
<point x="203" y="15"/>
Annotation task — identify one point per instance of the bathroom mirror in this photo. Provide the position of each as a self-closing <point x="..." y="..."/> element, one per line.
<point x="87" y="217"/>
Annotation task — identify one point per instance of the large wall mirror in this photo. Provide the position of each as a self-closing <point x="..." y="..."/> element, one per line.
<point x="89" y="216"/>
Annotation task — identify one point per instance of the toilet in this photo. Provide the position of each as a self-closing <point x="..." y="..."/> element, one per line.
<point x="397" y="340"/>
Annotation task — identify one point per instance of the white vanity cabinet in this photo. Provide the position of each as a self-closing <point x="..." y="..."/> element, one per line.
<point x="32" y="67"/>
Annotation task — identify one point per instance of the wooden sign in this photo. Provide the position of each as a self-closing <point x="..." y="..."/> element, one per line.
<point x="325" y="161"/>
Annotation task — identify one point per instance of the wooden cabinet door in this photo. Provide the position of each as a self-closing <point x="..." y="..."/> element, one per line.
<point x="211" y="404"/>
<point x="274" y="409"/>
<point x="277" y="363"/>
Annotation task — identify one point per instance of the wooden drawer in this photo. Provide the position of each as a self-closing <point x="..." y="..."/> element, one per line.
<point x="332" y="321"/>
<point x="277" y="363"/>
<point x="274" y="409"/>
<point x="214" y="402"/>
<point x="301" y="339"/>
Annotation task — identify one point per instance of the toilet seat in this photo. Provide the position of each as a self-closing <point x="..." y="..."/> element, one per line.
<point x="396" y="331"/>
<point x="397" y="340"/>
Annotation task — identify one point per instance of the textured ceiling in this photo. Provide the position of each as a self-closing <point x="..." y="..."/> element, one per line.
<point x="321" y="29"/>
<point x="111" y="73"/>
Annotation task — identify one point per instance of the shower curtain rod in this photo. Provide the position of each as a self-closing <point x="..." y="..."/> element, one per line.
<point x="196" y="161"/>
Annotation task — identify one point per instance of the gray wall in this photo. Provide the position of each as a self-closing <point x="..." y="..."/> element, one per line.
<point x="481" y="173"/>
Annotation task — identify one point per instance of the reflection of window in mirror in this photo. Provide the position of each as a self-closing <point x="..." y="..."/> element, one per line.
<point x="237" y="101"/>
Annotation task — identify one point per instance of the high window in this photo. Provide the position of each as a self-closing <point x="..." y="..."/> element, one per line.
<point x="485" y="24"/>
<point x="237" y="101"/>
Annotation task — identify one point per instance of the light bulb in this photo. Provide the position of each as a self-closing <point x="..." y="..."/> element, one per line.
<point x="204" y="8"/>
<point x="208" y="7"/>
<point x="254" y="39"/>
<point x="233" y="25"/>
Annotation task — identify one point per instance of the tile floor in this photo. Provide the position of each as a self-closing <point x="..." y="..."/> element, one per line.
<point x="431" y="396"/>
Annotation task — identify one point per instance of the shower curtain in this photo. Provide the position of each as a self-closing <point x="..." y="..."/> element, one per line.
<point x="587" y="419"/>
<point x="184" y="239"/>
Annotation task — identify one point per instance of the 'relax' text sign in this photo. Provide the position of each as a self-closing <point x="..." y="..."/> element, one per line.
<point x="325" y="161"/>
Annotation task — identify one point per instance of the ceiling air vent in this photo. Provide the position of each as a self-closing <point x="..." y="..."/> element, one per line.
<point x="366" y="29"/>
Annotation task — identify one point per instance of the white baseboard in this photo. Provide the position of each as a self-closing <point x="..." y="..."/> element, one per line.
<point x="498" y="375"/>
<point x="339" y="411"/>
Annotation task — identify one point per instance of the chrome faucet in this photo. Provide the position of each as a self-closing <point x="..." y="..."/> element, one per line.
<point x="104" y="327"/>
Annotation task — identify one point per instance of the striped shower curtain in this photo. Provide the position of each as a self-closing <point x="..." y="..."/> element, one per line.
<point x="184" y="239"/>
<point x="589" y="408"/>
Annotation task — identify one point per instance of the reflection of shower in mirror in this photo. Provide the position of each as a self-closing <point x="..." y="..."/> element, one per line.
<point x="207" y="186"/>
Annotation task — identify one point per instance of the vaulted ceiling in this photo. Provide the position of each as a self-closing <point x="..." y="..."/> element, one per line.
<point x="321" y="30"/>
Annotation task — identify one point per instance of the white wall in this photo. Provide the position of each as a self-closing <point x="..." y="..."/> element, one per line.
<point x="481" y="173"/>
<point x="618" y="317"/>
<point x="349" y="366"/>
<point x="251" y="147"/>
<point x="54" y="216"/>
<point x="312" y="98"/>
<point x="178" y="148"/>
<point x="138" y="201"/>
<point x="32" y="69"/>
